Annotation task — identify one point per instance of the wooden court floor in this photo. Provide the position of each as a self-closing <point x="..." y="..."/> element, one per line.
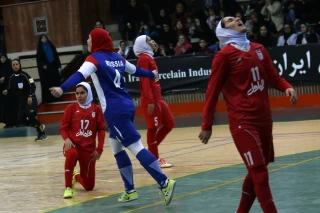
<point x="208" y="176"/>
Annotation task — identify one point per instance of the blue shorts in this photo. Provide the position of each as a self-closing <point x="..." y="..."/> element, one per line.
<point x="122" y="129"/>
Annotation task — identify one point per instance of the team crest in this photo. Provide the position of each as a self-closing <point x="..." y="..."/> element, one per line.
<point x="259" y="53"/>
<point x="93" y="114"/>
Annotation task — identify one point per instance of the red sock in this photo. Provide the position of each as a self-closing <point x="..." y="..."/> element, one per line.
<point x="70" y="163"/>
<point x="87" y="183"/>
<point x="152" y="142"/>
<point x="260" y="179"/>
<point x="164" y="131"/>
<point x="248" y="195"/>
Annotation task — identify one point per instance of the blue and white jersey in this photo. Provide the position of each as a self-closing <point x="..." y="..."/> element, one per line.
<point x="107" y="73"/>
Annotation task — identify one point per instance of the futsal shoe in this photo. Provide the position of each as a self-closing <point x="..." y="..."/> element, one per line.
<point x="74" y="180"/>
<point x="68" y="193"/>
<point x="163" y="163"/>
<point x="167" y="191"/>
<point x="42" y="137"/>
<point x="128" y="196"/>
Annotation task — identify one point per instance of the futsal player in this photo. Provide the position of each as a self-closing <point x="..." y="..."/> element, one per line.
<point x="244" y="71"/>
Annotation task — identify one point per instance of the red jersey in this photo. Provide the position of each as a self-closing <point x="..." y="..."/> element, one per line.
<point x="150" y="90"/>
<point x="81" y="126"/>
<point x="243" y="77"/>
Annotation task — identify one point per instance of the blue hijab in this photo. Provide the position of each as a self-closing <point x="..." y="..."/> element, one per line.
<point x="47" y="49"/>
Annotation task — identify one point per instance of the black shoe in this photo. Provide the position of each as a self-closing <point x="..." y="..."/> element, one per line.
<point x="41" y="138"/>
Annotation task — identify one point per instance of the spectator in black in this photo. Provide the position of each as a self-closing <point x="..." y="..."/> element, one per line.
<point x="5" y="73"/>
<point x="49" y="67"/>
<point x="99" y="24"/>
<point x="167" y="36"/>
<point x="180" y="15"/>
<point x="23" y="87"/>
<point x="265" y="38"/>
<point x="306" y="36"/>
<point x="288" y="38"/>
<point x="162" y="19"/>
<point x="125" y="50"/>
<point x="136" y="15"/>
<point x="200" y="30"/>
<point x="119" y="8"/>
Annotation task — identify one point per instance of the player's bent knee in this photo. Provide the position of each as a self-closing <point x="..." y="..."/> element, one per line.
<point x="89" y="184"/>
<point x="260" y="175"/>
<point x="136" y="147"/>
<point x="71" y="153"/>
<point x="115" y="146"/>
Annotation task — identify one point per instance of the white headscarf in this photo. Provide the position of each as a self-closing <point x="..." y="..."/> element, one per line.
<point x="141" y="46"/>
<point x="87" y="103"/>
<point x="227" y="36"/>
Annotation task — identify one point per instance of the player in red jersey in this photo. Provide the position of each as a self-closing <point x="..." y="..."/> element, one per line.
<point x="82" y="122"/>
<point x="158" y="117"/>
<point x="243" y="71"/>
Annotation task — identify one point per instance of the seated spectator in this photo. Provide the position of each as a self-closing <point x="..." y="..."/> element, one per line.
<point x="162" y="51"/>
<point x="145" y="29"/>
<point x="265" y="38"/>
<point x="179" y="15"/>
<point x="203" y="47"/>
<point x="167" y="36"/>
<point x="211" y="20"/>
<point x="288" y="38"/>
<point x="180" y="29"/>
<point x="162" y="19"/>
<point x="272" y="11"/>
<point x="306" y="36"/>
<point x="99" y="24"/>
<point x="258" y="21"/>
<point x="200" y="30"/>
<point x="183" y="46"/>
<point x="125" y="51"/>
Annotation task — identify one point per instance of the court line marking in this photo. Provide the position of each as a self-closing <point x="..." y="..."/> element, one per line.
<point x="161" y="202"/>
<point x="220" y="185"/>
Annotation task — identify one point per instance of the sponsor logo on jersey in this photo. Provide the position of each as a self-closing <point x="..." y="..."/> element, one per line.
<point x="115" y="63"/>
<point x="84" y="133"/>
<point x="259" y="53"/>
<point x="259" y="85"/>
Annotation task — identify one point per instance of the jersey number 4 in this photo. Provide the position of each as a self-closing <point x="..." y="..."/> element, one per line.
<point x="117" y="79"/>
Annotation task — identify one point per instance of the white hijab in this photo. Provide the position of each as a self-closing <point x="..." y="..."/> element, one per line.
<point x="87" y="103"/>
<point x="227" y="36"/>
<point x="141" y="46"/>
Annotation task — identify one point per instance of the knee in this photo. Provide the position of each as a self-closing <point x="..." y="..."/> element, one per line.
<point x="89" y="184"/>
<point x="260" y="175"/>
<point x="71" y="153"/>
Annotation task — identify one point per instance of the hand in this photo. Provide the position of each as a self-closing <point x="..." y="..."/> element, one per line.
<point x="150" y="109"/>
<point x="5" y="92"/>
<point x="29" y="101"/>
<point x="1" y="80"/>
<point x="204" y="136"/>
<point x="293" y="95"/>
<point x="68" y="145"/>
<point x="96" y="156"/>
<point x="56" y="91"/>
<point x="156" y="75"/>
<point x="45" y="67"/>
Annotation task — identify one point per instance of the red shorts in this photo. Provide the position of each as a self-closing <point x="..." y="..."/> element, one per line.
<point x="160" y="116"/>
<point x="87" y="165"/>
<point x="254" y="143"/>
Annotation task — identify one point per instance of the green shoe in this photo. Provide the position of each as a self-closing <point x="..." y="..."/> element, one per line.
<point x="167" y="191"/>
<point x="127" y="197"/>
<point x="68" y="193"/>
<point x="74" y="181"/>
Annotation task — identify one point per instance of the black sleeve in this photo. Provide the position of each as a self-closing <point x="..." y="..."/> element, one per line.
<point x="31" y="83"/>
<point x="10" y="83"/>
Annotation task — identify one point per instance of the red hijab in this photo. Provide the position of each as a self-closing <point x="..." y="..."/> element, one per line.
<point x="101" y="41"/>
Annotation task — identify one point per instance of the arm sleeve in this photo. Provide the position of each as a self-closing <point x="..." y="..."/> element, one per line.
<point x="31" y="83"/>
<point x="9" y="83"/>
<point x="146" y="82"/>
<point x="88" y="67"/>
<point x="274" y="8"/>
<point x="137" y="71"/>
<point x="215" y="84"/>
<point x="273" y="77"/>
<point x="101" y="128"/>
<point x="66" y="123"/>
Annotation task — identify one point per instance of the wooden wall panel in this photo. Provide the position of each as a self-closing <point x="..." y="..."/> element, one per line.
<point x="64" y="24"/>
<point x="90" y="12"/>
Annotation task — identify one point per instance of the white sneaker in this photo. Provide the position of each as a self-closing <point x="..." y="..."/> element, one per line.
<point x="163" y="163"/>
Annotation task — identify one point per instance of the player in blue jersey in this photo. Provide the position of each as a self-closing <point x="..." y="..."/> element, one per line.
<point x="106" y="69"/>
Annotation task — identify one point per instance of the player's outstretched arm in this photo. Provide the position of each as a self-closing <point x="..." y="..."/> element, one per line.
<point x="140" y="72"/>
<point x="87" y="68"/>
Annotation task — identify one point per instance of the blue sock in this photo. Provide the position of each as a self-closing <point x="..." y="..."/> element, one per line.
<point x="151" y="164"/>
<point x="125" y="168"/>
